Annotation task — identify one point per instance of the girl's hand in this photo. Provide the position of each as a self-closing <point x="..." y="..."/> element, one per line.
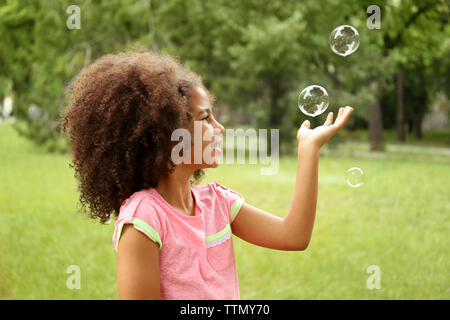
<point x="318" y="136"/>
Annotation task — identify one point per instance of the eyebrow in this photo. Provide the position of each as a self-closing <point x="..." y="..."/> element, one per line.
<point x="202" y="110"/>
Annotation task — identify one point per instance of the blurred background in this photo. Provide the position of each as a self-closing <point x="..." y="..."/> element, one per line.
<point x="255" y="56"/>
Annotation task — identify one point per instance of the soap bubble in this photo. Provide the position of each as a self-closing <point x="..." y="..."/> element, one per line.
<point x="344" y="40"/>
<point x="355" y="177"/>
<point x="34" y="112"/>
<point x="313" y="100"/>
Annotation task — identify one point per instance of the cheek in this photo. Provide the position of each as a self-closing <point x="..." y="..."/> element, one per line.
<point x="208" y="133"/>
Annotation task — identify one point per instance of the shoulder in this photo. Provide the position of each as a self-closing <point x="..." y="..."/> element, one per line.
<point x="141" y="210"/>
<point x="137" y="200"/>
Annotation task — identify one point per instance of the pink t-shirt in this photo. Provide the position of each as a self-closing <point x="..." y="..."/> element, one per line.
<point x="196" y="255"/>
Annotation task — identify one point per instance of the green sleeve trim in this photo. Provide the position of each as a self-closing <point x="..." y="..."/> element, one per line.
<point x="218" y="234"/>
<point x="235" y="208"/>
<point x="144" y="228"/>
<point x="119" y="233"/>
<point x="147" y="230"/>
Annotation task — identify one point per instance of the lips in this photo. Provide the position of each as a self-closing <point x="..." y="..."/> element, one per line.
<point x="216" y="144"/>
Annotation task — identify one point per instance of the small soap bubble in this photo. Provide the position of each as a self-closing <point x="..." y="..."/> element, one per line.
<point x="313" y="100"/>
<point x="34" y="112"/>
<point x="344" y="40"/>
<point x="355" y="177"/>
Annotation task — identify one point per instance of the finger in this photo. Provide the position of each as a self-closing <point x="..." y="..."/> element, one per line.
<point x="344" y="117"/>
<point x="329" y="120"/>
<point x="341" y="110"/>
<point x="306" y="124"/>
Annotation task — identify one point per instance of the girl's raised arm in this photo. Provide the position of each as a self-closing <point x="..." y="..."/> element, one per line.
<point x="293" y="232"/>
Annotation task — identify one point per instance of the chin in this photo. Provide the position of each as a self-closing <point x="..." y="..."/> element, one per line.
<point x="216" y="161"/>
<point x="215" y="165"/>
<point x="211" y="166"/>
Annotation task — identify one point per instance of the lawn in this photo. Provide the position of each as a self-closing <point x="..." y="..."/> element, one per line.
<point x="398" y="220"/>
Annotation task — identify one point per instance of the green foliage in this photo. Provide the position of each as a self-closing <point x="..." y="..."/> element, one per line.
<point x="418" y="44"/>
<point x="255" y="56"/>
<point x="41" y="55"/>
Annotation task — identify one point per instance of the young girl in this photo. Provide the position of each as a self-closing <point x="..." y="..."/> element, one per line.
<point x="173" y="236"/>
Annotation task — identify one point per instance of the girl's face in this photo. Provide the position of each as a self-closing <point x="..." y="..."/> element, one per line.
<point x="211" y="130"/>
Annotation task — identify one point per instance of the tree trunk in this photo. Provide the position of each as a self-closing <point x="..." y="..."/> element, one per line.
<point x="375" y="120"/>
<point x="275" y="113"/>
<point x="400" y="107"/>
<point x="417" y="122"/>
<point x="418" y="127"/>
<point x="420" y="107"/>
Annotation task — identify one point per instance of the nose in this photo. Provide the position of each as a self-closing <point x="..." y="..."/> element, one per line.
<point x="219" y="126"/>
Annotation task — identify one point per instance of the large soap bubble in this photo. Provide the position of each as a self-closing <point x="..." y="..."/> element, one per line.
<point x="313" y="100"/>
<point x="344" y="40"/>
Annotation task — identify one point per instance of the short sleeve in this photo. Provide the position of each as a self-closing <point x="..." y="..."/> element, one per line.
<point x="233" y="199"/>
<point x="140" y="212"/>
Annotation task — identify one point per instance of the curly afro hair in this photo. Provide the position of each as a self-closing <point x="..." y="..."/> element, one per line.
<point x="122" y="110"/>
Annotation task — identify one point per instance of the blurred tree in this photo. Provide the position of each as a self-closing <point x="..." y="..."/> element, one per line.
<point x="414" y="42"/>
<point x="257" y="55"/>
<point x="254" y="55"/>
<point x="41" y="55"/>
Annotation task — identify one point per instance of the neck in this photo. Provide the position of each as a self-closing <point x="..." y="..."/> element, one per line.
<point x="176" y="190"/>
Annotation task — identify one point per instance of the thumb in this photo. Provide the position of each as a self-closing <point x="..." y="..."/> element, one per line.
<point x="306" y="124"/>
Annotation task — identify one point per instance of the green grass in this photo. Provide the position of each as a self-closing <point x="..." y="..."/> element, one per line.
<point x="398" y="220"/>
<point x="436" y="138"/>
